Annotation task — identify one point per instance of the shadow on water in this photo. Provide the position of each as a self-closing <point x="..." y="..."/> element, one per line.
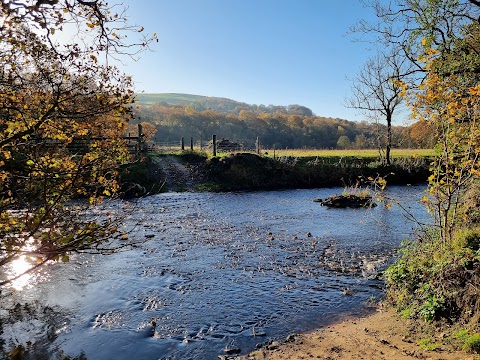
<point x="216" y="272"/>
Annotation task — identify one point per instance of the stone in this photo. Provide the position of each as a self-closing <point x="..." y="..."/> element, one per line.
<point x="348" y="201"/>
<point x="231" y="351"/>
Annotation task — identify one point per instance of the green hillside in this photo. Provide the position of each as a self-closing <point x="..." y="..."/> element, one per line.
<point x="219" y="104"/>
<point x="197" y="101"/>
<point x="169" y="98"/>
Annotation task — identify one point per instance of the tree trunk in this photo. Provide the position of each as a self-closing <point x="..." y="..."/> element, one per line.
<point x="389" y="139"/>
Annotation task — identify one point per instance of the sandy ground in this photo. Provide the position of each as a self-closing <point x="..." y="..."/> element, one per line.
<point x="382" y="335"/>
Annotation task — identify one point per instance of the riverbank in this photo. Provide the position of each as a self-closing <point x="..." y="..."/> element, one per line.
<point x="379" y="336"/>
<point x="191" y="171"/>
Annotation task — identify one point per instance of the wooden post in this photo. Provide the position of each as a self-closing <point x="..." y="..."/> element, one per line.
<point x="257" y="146"/>
<point x="139" y="139"/>
<point x="182" y="143"/>
<point x="191" y="143"/>
<point x="273" y="151"/>
<point x="214" y="144"/>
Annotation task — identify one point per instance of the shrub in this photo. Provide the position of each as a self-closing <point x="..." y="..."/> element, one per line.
<point x="432" y="280"/>
<point x="472" y="343"/>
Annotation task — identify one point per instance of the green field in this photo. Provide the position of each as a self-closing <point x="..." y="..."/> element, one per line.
<point x="170" y="98"/>
<point x="365" y="153"/>
<point x="351" y="153"/>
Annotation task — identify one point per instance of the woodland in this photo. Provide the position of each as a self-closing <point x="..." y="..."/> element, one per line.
<point x="292" y="126"/>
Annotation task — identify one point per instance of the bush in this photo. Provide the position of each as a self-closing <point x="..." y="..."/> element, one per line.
<point x="472" y="343"/>
<point x="436" y="281"/>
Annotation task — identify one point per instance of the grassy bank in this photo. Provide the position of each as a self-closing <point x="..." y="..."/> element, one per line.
<point x="364" y="153"/>
<point x="245" y="171"/>
<point x="437" y="285"/>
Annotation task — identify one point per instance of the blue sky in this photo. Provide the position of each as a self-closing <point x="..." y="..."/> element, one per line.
<point x="276" y="52"/>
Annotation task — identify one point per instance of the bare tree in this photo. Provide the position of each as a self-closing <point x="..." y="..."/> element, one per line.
<point x="376" y="90"/>
<point x="412" y="26"/>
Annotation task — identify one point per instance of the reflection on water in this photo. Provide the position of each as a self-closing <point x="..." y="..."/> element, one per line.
<point x="17" y="268"/>
<point x="221" y="271"/>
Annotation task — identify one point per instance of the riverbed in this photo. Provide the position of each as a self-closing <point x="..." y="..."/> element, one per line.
<point x="214" y="273"/>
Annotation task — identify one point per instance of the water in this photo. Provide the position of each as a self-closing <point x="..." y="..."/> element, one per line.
<point x="214" y="272"/>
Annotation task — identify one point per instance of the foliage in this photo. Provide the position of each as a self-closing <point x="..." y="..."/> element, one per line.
<point x="431" y="282"/>
<point x="148" y="130"/>
<point x="359" y="153"/>
<point x="428" y="344"/>
<point x="279" y="129"/>
<point x="472" y="343"/>
<point x="437" y="276"/>
<point x="449" y="103"/>
<point x="247" y="171"/>
<point x="201" y="103"/>
<point x="62" y="115"/>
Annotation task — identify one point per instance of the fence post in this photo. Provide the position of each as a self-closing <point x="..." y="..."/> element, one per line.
<point x="139" y="140"/>
<point x="191" y="143"/>
<point x="257" y="146"/>
<point x="214" y="144"/>
<point x="182" y="143"/>
<point x="273" y="151"/>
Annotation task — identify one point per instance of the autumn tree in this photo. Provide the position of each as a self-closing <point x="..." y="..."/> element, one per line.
<point x="63" y="111"/>
<point x="437" y="277"/>
<point x="440" y="40"/>
<point x="448" y="99"/>
<point x="149" y="130"/>
<point x="422" y="134"/>
<point x="409" y="25"/>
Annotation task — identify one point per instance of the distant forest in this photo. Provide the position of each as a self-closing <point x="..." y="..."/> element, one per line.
<point x="293" y="126"/>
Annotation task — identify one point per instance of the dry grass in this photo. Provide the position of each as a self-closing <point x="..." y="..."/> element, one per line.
<point x="354" y="153"/>
<point x="326" y="153"/>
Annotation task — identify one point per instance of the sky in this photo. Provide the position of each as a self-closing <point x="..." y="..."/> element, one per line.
<point x="277" y="52"/>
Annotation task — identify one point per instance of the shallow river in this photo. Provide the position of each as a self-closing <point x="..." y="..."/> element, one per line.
<point x="215" y="272"/>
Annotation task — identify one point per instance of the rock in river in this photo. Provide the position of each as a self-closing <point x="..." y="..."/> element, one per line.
<point x="347" y="201"/>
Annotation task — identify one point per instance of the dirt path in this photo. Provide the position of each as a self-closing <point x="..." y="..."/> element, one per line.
<point x="381" y="336"/>
<point x="177" y="176"/>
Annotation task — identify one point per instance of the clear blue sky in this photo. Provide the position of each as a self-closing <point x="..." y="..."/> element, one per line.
<point x="276" y="52"/>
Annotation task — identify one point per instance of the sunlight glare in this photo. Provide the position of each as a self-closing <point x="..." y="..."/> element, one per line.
<point x="18" y="267"/>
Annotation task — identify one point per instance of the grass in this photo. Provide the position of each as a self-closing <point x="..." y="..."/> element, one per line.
<point x="327" y="153"/>
<point x="428" y="344"/>
<point x="367" y="153"/>
<point x="172" y="98"/>
<point x="469" y="342"/>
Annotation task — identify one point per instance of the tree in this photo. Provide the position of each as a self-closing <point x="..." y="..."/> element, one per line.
<point x="440" y="38"/>
<point x="448" y="99"/>
<point x="422" y="134"/>
<point x="376" y="90"/>
<point x="63" y="112"/>
<point x="411" y="26"/>
<point x="343" y="142"/>
<point x="149" y="130"/>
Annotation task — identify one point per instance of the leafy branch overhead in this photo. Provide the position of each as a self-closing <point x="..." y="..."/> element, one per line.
<point x="52" y="94"/>
<point x="101" y="28"/>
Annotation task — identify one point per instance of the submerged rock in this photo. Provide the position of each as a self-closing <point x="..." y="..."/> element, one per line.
<point x="231" y="351"/>
<point x="132" y="190"/>
<point x="347" y="201"/>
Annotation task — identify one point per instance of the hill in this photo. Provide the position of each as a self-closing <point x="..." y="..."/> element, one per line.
<point x="224" y="105"/>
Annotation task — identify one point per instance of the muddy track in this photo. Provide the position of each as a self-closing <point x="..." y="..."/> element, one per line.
<point x="176" y="175"/>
